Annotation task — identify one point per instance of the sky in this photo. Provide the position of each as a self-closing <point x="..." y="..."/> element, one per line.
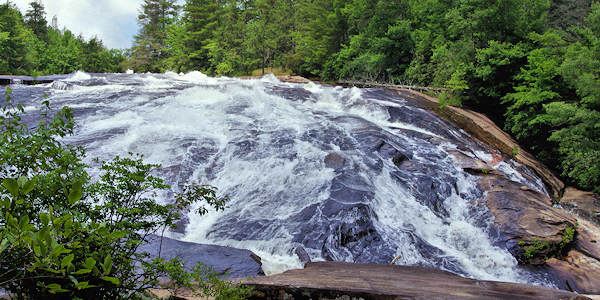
<point x="113" y="21"/>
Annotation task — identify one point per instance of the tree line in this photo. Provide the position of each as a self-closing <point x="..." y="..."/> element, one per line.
<point x="28" y="46"/>
<point x="531" y="65"/>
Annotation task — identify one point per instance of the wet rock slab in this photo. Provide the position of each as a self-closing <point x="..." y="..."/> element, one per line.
<point x="235" y="263"/>
<point x="336" y="280"/>
<point x="584" y="204"/>
<point x="579" y="270"/>
<point x="525" y="218"/>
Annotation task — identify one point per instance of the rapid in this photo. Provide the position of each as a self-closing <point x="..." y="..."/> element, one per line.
<point x="357" y="175"/>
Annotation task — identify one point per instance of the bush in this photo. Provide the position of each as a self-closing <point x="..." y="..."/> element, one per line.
<point x="64" y="236"/>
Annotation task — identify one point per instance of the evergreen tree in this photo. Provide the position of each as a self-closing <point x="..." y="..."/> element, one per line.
<point x="150" y="43"/>
<point x="202" y="18"/>
<point x="36" y="19"/>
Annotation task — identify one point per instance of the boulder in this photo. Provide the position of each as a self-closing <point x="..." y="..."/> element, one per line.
<point x="235" y="263"/>
<point x="583" y="204"/>
<point x="472" y="165"/>
<point x="532" y="229"/>
<point x="580" y="269"/>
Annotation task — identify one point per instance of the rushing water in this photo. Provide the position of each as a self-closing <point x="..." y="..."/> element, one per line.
<point x="350" y="174"/>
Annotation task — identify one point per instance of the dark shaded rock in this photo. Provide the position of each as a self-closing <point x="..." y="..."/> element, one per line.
<point x="237" y="263"/>
<point x="429" y="187"/>
<point x="334" y="161"/>
<point x="338" y="280"/>
<point x="531" y="228"/>
<point x="584" y="204"/>
<point x="355" y="236"/>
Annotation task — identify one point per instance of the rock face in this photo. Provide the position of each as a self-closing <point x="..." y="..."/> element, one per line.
<point x="334" y="161"/>
<point x="532" y="229"/>
<point x="235" y="263"/>
<point x="535" y="232"/>
<point x="338" y="280"/>
<point x="580" y="269"/>
<point x="484" y="129"/>
<point x="584" y="204"/>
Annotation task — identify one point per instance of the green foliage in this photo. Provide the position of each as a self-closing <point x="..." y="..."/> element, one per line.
<point x="36" y="19"/>
<point x="515" y="151"/>
<point x="29" y="46"/>
<point x="62" y="236"/>
<point x="536" y="250"/>
<point x="204" y="281"/>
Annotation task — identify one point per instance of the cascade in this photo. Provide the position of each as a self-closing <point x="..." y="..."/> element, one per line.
<point x="357" y="175"/>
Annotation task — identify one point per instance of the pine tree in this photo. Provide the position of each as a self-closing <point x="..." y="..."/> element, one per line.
<point x="35" y="18"/>
<point x="150" y="43"/>
<point x="201" y="19"/>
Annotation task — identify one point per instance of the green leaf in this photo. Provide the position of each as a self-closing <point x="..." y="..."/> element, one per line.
<point x="28" y="187"/>
<point x="83" y="271"/>
<point x="112" y="280"/>
<point x="45" y="218"/>
<point x="107" y="265"/>
<point x="55" y="288"/>
<point x="3" y="245"/>
<point x="22" y="181"/>
<point x="66" y="261"/>
<point x="89" y="263"/>
<point x="12" y="186"/>
<point x="117" y="235"/>
<point x="83" y="285"/>
<point x="75" y="193"/>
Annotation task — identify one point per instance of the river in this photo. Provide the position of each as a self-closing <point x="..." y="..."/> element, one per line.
<point x="358" y="175"/>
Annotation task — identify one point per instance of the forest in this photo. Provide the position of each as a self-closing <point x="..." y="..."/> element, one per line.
<point x="530" y="65"/>
<point x="29" y="46"/>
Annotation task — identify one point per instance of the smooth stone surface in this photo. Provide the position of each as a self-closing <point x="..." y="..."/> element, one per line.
<point x="236" y="263"/>
<point x="525" y="217"/>
<point x="331" y="280"/>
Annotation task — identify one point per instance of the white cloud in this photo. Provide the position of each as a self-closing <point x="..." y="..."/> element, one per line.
<point x="113" y="21"/>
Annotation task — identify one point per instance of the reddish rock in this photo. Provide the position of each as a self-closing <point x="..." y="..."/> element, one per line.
<point x="579" y="271"/>
<point x="339" y="280"/>
<point x="472" y="165"/>
<point x="588" y="238"/>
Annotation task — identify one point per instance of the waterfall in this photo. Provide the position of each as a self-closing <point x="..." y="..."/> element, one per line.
<point x="358" y="175"/>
